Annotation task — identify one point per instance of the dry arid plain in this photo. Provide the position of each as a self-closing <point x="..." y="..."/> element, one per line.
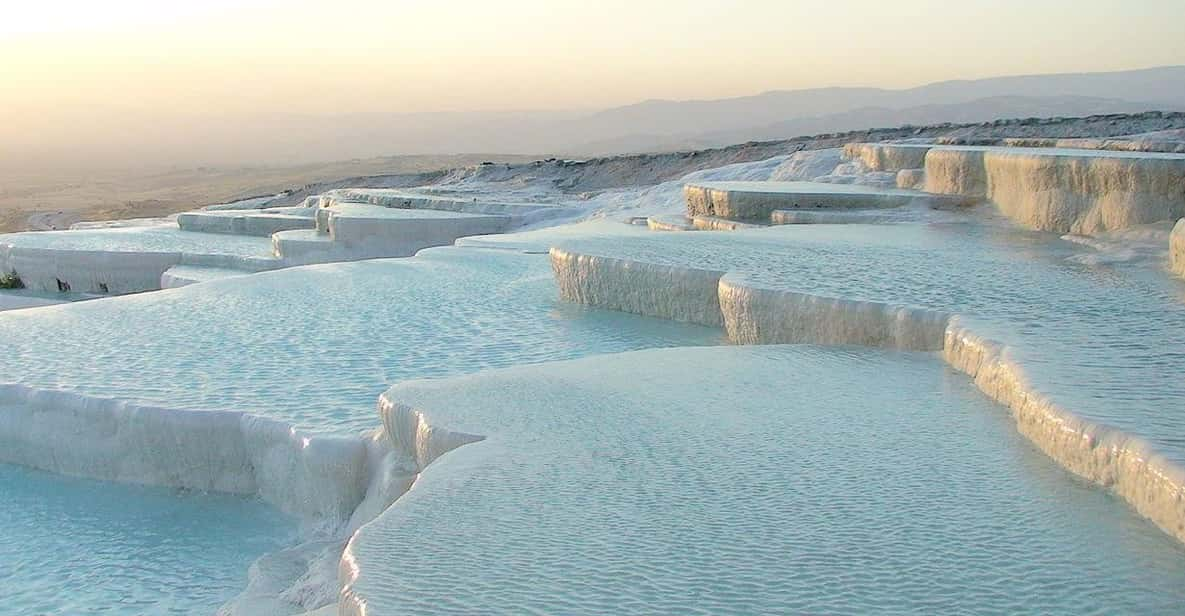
<point x="57" y="198"/>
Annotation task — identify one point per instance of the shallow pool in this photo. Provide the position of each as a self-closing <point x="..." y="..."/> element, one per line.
<point x="1104" y="337"/>
<point x="163" y="238"/>
<point x="748" y="480"/>
<point x="316" y="345"/>
<point x="74" y="546"/>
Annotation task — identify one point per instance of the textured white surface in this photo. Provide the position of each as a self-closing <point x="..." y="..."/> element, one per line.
<point x="348" y="231"/>
<point x="887" y="156"/>
<point x="185" y="275"/>
<point x="739" y="480"/>
<point x="261" y="223"/>
<point x="122" y="260"/>
<point x="1177" y="248"/>
<point x="757" y="200"/>
<point x="857" y="285"/>
<point x="16" y="300"/>
<point x="1061" y="190"/>
<point x="911" y="179"/>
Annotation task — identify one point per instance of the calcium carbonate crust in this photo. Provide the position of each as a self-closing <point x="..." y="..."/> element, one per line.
<point x="1151" y="484"/>
<point x="1060" y="190"/>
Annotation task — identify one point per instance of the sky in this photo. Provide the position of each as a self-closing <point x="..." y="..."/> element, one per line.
<point x="245" y="56"/>
<point x="131" y="82"/>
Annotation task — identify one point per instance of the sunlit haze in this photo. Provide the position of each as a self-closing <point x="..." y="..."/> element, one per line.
<point x="65" y="62"/>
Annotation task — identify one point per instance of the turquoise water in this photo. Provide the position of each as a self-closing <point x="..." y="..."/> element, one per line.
<point x="73" y="546"/>
<point x="143" y="239"/>
<point x="749" y="480"/>
<point x="1104" y="337"/>
<point x="316" y="345"/>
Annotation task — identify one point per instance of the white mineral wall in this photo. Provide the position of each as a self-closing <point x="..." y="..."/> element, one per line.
<point x="911" y="179"/>
<point x="677" y="293"/>
<point x="755" y="205"/>
<point x="886" y="156"/>
<point x="1151" y="484"/>
<point x="1110" y="458"/>
<point x="1085" y="194"/>
<point x="416" y="441"/>
<point x="713" y="223"/>
<point x="753" y="315"/>
<point x="320" y="478"/>
<point x="87" y="271"/>
<point x="809" y="217"/>
<point x="404" y="234"/>
<point x="1177" y="248"/>
<point x="255" y="224"/>
<point x="669" y="223"/>
<point x="955" y="172"/>
<point x="1063" y="193"/>
<point x="519" y="213"/>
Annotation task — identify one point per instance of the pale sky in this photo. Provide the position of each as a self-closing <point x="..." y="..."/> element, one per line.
<point x="409" y="55"/>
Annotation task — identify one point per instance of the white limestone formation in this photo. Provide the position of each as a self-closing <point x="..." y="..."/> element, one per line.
<point x="956" y="171"/>
<point x="261" y="223"/>
<point x="1063" y="190"/>
<point x="86" y="271"/>
<point x="887" y="156"/>
<point x="715" y="223"/>
<point x="321" y="478"/>
<point x="1151" y="484"/>
<point x="677" y="293"/>
<point x="1085" y="192"/>
<point x="353" y="231"/>
<point x="669" y="223"/>
<point x="753" y="315"/>
<point x="1177" y="248"/>
<point x="519" y="213"/>
<point x="911" y="179"/>
<point x="757" y="200"/>
<point x="801" y="217"/>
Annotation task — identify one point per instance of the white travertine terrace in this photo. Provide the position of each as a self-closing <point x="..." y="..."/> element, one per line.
<point x="670" y="223"/>
<point x="1052" y="189"/>
<point x="956" y="171"/>
<point x="806" y="217"/>
<point x="348" y="231"/>
<point x="519" y="213"/>
<point x="715" y="223"/>
<point x="1085" y="192"/>
<point x="1177" y="248"/>
<point x="757" y="200"/>
<point x="346" y="480"/>
<point x="670" y="292"/>
<point x="261" y="223"/>
<point x="118" y="261"/>
<point x="752" y="312"/>
<point x="887" y="156"/>
<point x="217" y="393"/>
<point x="547" y="489"/>
<point x="185" y="275"/>
<point x="911" y="179"/>
<point x="321" y="478"/>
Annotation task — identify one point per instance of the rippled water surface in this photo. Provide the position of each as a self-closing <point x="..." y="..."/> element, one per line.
<point x="144" y="239"/>
<point x="1105" y="339"/>
<point x="750" y="480"/>
<point x="317" y="345"/>
<point x="72" y="546"/>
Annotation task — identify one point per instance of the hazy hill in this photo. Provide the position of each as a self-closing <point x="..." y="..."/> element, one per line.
<point x="114" y="138"/>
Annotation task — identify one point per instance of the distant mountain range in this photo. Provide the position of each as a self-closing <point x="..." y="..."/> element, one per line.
<point x="655" y="125"/>
<point x="787" y="113"/>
